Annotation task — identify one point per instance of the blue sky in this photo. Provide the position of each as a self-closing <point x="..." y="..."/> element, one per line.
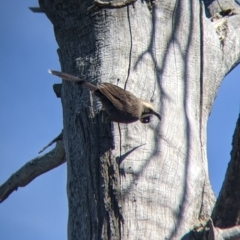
<point x="32" y="116"/>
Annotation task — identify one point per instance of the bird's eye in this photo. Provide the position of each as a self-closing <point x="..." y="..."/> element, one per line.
<point x="145" y="119"/>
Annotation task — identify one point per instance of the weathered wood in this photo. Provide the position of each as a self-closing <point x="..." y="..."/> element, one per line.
<point x="173" y="57"/>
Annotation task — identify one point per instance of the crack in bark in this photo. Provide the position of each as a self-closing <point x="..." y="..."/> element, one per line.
<point x="130" y="50"/>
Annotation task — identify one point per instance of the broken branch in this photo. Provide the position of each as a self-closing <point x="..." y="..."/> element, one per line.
<point x="33" y="169"/>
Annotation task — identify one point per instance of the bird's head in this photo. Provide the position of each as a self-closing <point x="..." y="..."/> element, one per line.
<point x="147" y="111"/>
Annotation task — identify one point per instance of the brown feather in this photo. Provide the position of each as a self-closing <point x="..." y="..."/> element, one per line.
<point x="121" y="99"/>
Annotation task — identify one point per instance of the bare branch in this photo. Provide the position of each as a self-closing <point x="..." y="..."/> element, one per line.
<point x="33" y="169"/>
<point x="56" y="139"/>
<point x="36" y="9"/>
<point x="232" y="233"/>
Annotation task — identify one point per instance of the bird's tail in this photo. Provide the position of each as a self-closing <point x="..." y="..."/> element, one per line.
<point x="72" y="78"/>
<point x="66" y="76"/>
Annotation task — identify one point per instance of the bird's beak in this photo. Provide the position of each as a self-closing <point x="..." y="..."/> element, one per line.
<point x="157" y="115"/>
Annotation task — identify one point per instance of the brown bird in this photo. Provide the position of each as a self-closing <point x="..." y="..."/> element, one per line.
<point x="120" y="105"/>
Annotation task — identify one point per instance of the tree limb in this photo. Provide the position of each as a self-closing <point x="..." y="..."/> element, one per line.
<point x="225" y="18"/>
<point x="33" y="169"/>
<point x="56" y="139"/>
<point x="226" y="212"/>
<point x="215" y="233"/>
<point x="36" y="9"/>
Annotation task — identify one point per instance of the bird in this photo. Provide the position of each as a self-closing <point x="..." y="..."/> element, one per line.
<point x="120" y="105"/>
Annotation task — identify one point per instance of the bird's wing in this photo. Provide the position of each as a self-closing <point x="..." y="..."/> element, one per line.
<point x="121" y="99"/>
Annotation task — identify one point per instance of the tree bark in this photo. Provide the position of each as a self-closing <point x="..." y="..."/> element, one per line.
<point x="155" y="183"/>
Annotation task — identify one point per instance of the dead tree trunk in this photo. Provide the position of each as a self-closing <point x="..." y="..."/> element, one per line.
<point x="154" y="184"/>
